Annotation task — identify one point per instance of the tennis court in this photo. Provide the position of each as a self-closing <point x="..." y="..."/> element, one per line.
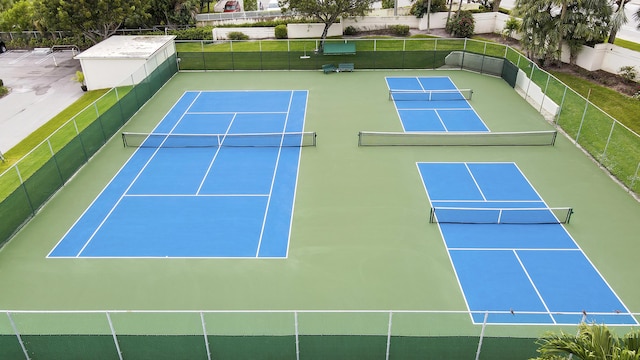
<point x="353" y="241"/>
<point x="508" y="247"/>
<point x="433" y="104"/>
<point x="216" y="178"/>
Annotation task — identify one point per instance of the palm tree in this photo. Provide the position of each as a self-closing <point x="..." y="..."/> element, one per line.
<point x="593" y="341"/>
<point x="618" y="19"/>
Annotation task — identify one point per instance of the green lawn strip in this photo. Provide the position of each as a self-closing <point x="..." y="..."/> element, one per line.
<point x="38" y="136"/>
<point x="33" y="152"/>
<point x="621" y="107"/>
<point x="627" y="44"/>
<point x="363" y="44"/>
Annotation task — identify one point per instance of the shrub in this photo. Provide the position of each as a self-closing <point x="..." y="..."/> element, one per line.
<point x="461" y="25"/>
<point x="388" y="4"/>
<point x="419" y="8"/>
<point x="195" y="33"/>
<point x="237" y="35"/>
<point x="281" y="32"/>
<point x="512" y="25"/>
<point x="628" y="73"/>
<point x="350" y="30"/>
<point x="1" y="82"/>
<point x="3" y="91"/>
<point x="399" y="30"/>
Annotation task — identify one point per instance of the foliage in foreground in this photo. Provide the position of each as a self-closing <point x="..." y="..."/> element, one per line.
<point x="593" y="341"/>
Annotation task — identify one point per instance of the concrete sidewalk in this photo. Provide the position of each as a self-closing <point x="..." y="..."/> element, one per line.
<point x="39" y="91"/>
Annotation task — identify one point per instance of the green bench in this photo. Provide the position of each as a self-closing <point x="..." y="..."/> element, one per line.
<point x="345" y="67"/>
<point x="328" y="68"/>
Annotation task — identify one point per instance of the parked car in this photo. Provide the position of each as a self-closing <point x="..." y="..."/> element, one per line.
<point x="232" y="6"/>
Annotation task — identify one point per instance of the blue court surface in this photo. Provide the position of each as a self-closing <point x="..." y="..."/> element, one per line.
<point x="185" y="199"/>
<point x="444" y="111"/>
<point x="528" y="273"/>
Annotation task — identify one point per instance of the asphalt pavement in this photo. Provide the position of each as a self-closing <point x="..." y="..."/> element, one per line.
<point x="41" y="85"/>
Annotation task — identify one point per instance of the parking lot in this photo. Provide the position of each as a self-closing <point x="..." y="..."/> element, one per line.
<point x="41" y="85"/>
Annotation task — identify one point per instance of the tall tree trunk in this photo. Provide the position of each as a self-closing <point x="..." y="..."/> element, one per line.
<point x="429" y="16"/>
<point x="618" y="21"/>
<point x="495" y="6"/>
<point x="612" y="36"/>
<point x="449" y="13"/>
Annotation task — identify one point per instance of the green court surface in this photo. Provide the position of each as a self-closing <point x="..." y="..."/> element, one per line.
<point x="361" y="237"/>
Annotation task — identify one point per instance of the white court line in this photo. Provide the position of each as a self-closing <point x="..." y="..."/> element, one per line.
<point x="474" y="180"/>
<point x="215" y="156"/>
<point x="273" y="178"/>
<point x="196" y="195"/>
<point x="495" y="201"/>
<point x="105" y="188"/>
<point x="444" y="126"/>
<point x="233" y="112"/>
<point x="535" y="288"/>
<point x="513" y="249"/>
<point x="132" y="182"/>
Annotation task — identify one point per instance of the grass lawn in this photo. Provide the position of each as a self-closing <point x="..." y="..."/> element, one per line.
<point x="627" y="44"/>
<point x="32" y="153"/>
<point x="38" y="136"/>
<point x="624" y="108"/>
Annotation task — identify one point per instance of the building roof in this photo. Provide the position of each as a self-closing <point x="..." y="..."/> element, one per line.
<point x="126" y="47"/>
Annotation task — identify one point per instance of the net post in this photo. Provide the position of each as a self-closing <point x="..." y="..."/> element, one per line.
<point x="569" y="213"/>
<point x="432" y="215"/>
<point x="124" y="139"/>
<point x="359" y="139"/>
<point x="553" y="138"/>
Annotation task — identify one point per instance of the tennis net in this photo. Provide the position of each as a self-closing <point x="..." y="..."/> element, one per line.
<point x="523" y="138"/>
<point x="461" y="215"/>
<point x="430" y="95"/>
<point x="153" y="140"/>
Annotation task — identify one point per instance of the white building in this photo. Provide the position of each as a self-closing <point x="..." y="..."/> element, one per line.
<point x="112" y="62"/>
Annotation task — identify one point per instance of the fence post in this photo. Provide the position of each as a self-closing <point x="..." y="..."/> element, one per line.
<point x="295" y="323"/>
<point x="206" y="338"/>
<point x="564" y="95"/>
<point x="389" y="334"/>
<point x="635" y="177"/>
<point x="113" y="334"/>
<point x="484" y="324"/>
<point x="604" y="152"/>
<point x="544" y="93"/>
<point x="15" y="331"/>
<point x="530" y="77"/>
<point x="584" y="114"/>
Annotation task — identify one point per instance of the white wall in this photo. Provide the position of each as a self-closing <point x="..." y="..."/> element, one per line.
<point x="535" y="96"/>
<point x="108" y="73"/>
<point x="380" y="22"/>
<point x="252" y="32"/>
<point x="301" y="31"/>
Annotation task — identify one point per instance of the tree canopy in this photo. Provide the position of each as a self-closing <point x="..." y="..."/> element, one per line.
<point x="18" y="17"/>
<point x="328" y="11"/>
<point x="96" y="19"/>
<point x="547" y="24"/>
